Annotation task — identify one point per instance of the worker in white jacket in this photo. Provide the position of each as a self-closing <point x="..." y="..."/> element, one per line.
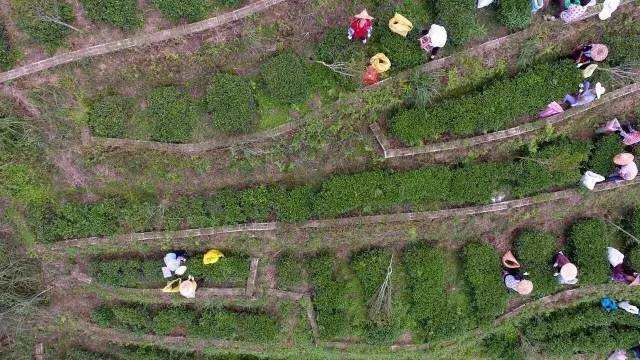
<point x="431" y="41"/>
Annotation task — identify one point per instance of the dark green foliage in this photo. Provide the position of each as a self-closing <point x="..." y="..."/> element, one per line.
<point x="588" y="242"/>
<point x="289" y="270"/>
<point x="295" y="204"/>
<point x="504" y="344"/>
<point x="218" y="323"/>
<point x="554" y="166"/>
<point x="585" y="329"/>
<point x="8" y="55"/>
<point x="404" y="53"/>
<point x="458" y="17"/>
<point x="601" y="160"/>
<point x="285" y="78"/>
<point x="49" y="34"/>
<point x="482" y="271"/>
<point x="429" y="298"/>
<point x="108" y="116"/>
<point x="231" y="102"/>
<point x="336" y="47"/>
<point x="232" y="270"/>
<point x="123" y="14"/>
<point x="173" y="114"/>
<point x="191" y="10"/>
<point x="515" y="14"/>
<point x="501" y="104"/>
<point x="337" y="298"/>
<point x="477" y="183"/>
<point x="134" y="273"/>
<point x="622" y="38"/>
<point x="536" y="250"/>
<point x="370" y="268"/>
<point x="167" y="321"/>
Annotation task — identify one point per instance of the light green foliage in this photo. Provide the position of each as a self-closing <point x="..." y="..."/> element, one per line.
<point x="232" y="104"/>
<point x="336" y="47"/>
<point x="166" y="321"/>
<point x="285" y="78"/>
<point x="232" y="270"/>
<point x="22" y="183"/>
<point x="482" y="271"/>
<point x="192" y="10"/>
<point x="123" y="14"/>
<point x="133" y="273"/>
<point x="173" y="114"/>
<point x="289" y="271"/>
<point x="588" y="241"/>
<point x="458" y="17"/>
<point x="47" y="33"/>
<point x="108" y="116"/>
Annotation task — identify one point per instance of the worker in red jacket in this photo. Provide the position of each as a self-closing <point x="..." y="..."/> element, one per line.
<point x="361" y="26"/>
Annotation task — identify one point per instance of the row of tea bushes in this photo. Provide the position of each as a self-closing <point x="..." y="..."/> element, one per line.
<point x="557" y="165"/>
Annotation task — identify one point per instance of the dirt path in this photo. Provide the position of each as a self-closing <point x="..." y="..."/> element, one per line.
<point x="146" y="39"/>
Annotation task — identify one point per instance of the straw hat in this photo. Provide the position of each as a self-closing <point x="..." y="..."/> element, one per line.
<point x="599" y="52"/>
<point x="509" y="261"/>
<point x="524" y="287"/>
<point x="188" y="288"/>
<point x="569" y="271"/>
<point x="599" y="90"/>
<point x="364" y="15"/>
<point x="623" y="159"/>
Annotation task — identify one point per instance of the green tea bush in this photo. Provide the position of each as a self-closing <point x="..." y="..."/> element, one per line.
<point x="483" y="272"/>
<point x="370" y="268"/>
<point x="175" y="10"/>
<point x="536" y="250"/>
<point x="588" y="242"/>
<point x="123" y="14"/>
<point x="166" y="321"/>
<point x="555" y="165"/>
<point x="49" y="34"/>
<point x="232" y="270"/>
<point x="404" y="53"/>
<point x="132" y="318"/>
<point x="621" y="38"/>
<point x="289" y="269"/>
<point x="499" y="105"/>
<point x="477" y="183"/>
<point x="336" y="298"/>
<point x="108" y="116"/>
<point x="231" y="102"/>
<point x="601" y="160"/>
<point x="173" y="114"/>
<point x="285" y="78"/>
<point x="295" y="204"/>
<point x="503" y="344"/>
<point x="515" y="14"/>
<point x="336" y="47"/>
<point x="458" y="17"/>
<point x="240" y="326"/>
<point x="8" y="55"/>
<point x="131" y="273"/>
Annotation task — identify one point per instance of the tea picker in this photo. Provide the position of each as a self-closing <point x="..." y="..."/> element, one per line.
<point x="566" y="271"/>
<point x="513" y="278"/>
<point x="433" y="39"/>
<point x="361" y="27"/>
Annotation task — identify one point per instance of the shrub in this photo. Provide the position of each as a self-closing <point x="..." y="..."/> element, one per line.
<point x="240" y="326"/>
<point x="231" y="270"/>
<point x="588" y="241"/>
<point x="482" y="269"/>
<point x="404" y="53"/>
<point x="431" y="307"/>
<point x="504" y="344"/>
<point x="289" y="272"/>
<point x="370" y="268"/>
<point x="8" y="55"/>
<point x="621" y="38"/>
<point x="192" y="10"/>
<point x="478" y="183"/>
<point x="501" y="104"/>
<point x="166" y="321"/>
<point x="103" y="316"/>
<point x="108" y="116"/>
<point x="337" y="299"/>
<point x="49" y="34"/>
<point x="173" y="114"/>
<point x="458" y="17"/>
<point x="601" y="160"/>
<point x="231" y="102"/>
<point x="535" y="250"/>
<point x="515" y="14"/>
<point x="295" y="204"/>
<point x="123" y="14"/>
<point x="132" y="318"/>
<point x="132" y="273"/>
<point x="554" y="166"/>
<point x="336" y="47"/>
<point x="285" y="78"/>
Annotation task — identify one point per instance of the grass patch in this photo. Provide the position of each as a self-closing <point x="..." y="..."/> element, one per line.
<point x="48" y="34"/>
<point x="123" y="14"/>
